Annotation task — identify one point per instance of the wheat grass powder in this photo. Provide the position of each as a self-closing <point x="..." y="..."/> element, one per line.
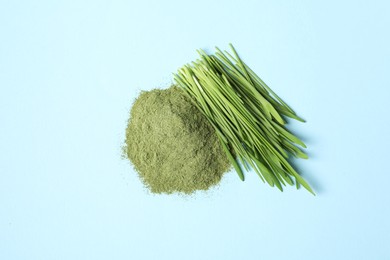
<point x="171" y="144"/>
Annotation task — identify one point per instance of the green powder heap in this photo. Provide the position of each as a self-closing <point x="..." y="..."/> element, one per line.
<point x="172" y="145"/>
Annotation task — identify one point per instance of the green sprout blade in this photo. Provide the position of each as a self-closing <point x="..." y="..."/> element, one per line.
<point x="248" y="117"/>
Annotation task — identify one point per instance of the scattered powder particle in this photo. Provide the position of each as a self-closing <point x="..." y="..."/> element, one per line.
<point x="171" y="144"/>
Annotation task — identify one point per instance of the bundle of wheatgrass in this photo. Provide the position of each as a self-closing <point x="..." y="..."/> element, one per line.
<point x="246" y="114"/>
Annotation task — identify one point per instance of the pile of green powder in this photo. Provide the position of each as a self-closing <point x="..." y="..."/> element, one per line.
<point x="172" y="145"/>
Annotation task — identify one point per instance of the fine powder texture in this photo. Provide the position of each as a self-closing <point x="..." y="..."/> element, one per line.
<point x="172" y="145"/>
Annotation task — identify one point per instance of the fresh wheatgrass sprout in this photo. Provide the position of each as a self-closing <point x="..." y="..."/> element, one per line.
<point x="247" y="116"/>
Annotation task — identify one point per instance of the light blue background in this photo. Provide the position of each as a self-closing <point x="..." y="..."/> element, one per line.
<point x="70" y="70"/>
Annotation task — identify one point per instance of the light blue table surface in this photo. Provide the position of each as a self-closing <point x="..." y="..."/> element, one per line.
<point x="70" y="70"/>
